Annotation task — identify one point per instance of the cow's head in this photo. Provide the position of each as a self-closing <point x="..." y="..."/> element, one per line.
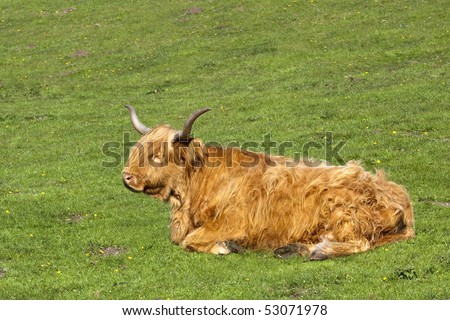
<point x="159" y="159"/>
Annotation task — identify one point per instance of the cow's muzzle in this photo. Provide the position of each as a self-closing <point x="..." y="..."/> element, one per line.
<point x="132" y="182"/>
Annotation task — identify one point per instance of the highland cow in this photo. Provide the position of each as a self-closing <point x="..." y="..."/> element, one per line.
<point x="220" y="204"/>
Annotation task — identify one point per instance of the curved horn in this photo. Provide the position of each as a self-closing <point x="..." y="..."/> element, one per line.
<point x="184" y="135"/>
<point x="138" y="125"/>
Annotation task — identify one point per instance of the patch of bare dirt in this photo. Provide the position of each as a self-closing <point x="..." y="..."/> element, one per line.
<point x="68" y="10"/>
<point x="441" y="204"/>
<point x="80" y="53"/>
<point x="435" y="202"/>
<point x="66" y="73"/>
<point x="354" y="80"/>
<point x="2" y="273"/>
<point x="194" y="10"/>
<point x="74" y="218"/>
<point x="111" y="251"/>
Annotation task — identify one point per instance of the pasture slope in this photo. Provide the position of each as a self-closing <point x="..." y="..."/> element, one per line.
<point x="373" y="73"/>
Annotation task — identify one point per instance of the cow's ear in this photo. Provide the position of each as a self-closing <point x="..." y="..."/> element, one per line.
<point x="189" y="153"/>
<point x="196" y="147"/>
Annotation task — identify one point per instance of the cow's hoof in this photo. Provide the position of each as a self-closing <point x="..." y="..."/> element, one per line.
<point x="226" y="247"/>
<point x="233" y="247"/>
<point x="287" y="251"/>
<point x="317" y="255"/>
<point x="291" y="250"/>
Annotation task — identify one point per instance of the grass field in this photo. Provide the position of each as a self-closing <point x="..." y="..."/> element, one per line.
<point x="374" y="73"/>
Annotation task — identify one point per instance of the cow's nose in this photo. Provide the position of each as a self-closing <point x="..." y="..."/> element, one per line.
<point x="127" y="178"/>
<point x="131" y="182"/>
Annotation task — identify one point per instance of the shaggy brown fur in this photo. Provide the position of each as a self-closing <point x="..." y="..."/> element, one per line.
<point x="220" y="204"/>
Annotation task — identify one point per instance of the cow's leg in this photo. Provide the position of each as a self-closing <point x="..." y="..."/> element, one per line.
<point x="327" y="249"/>
<point x="211" y="241"/>
<point x="405" y="234"/>
<point x="180" y="226"/>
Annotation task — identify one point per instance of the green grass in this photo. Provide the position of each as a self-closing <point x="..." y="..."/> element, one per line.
<point x="374" y="73"/>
